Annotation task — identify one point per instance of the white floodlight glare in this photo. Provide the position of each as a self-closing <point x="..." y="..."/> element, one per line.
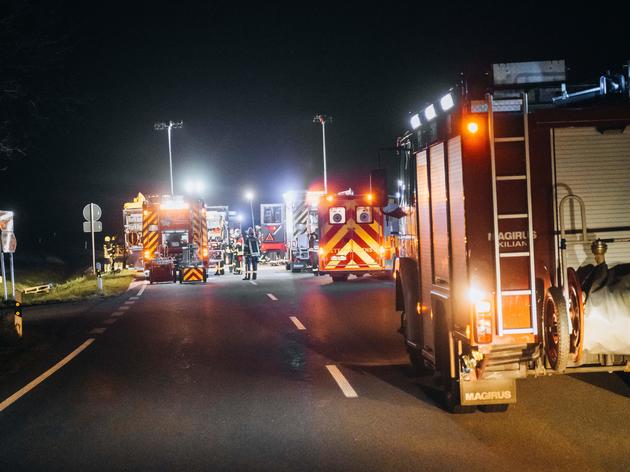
<point x="249" y="195"/>
<point x="397" y="194"/>
<point x="400" y="182"/>
<point x="239" y="218"/>
<point x="415" y="121"/>
<point x="429" y="112"/>
<point x="446" y="102"/>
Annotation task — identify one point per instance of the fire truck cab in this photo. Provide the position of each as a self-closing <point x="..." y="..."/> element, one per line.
<point x="175" y="239"/>
<point x="514" y="247"/>
<point x="352" y="240"/>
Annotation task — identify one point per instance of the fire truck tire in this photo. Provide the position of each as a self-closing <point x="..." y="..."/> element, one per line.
<point x="450" y="393"/>
<point x="557" y="337"/>
<point x="339" y="277"/>
<point x="287" y="266"/>
<point x="500" y="408"/>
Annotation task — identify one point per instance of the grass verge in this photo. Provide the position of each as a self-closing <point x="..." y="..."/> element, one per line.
<point x="83" y="287"/>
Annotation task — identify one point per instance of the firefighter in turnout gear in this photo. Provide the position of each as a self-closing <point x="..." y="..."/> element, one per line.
<point x="251" y="249"/>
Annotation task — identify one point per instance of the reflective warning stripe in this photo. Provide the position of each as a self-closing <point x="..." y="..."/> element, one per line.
<point x="192" y="274"/>
<point x="359" y="249"/>
<point x="149" y="238"/>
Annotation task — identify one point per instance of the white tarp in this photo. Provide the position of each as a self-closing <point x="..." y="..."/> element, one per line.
<point x="607" y="312"/>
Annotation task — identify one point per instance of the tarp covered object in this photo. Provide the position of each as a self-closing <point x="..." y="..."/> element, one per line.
<point x="607" y="310"/>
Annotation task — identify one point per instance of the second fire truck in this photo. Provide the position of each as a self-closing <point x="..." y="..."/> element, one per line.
<point x="175" y="239"/>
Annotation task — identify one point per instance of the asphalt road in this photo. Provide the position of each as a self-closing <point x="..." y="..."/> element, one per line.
<point x="220" y="377"/>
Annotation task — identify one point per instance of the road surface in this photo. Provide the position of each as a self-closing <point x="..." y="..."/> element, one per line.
<point x="290" y="373"/>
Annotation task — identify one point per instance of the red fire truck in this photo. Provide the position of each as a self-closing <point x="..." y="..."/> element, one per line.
<point x="175" y="239"/>
<point x="272" y="231"/>
<point x="514" y="244"/>
<point x="351" y="237"/>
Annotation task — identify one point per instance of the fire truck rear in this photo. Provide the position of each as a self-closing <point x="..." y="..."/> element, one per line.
<point x="175" y="239"/>
<point x="272" y="222"/>
<point x="352" y="237"/>
<point x="132" y="221"/>
<point x="218" y="221"/>
<point x="515" y="244"/>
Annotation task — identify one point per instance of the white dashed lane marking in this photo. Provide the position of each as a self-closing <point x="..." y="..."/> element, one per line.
<point x="298" y="324"/>
<point x="252" y="282"/>
<point x="130" y="302"/>
<point x="272" y="296"/>
<point x="110" y="321"/>
<point x="34" y="383"/>
<point x="98" y="331"/>
<point x="123" y="308"/>
<point x="118" y="313"/>
<point x="343" y="383"/>
<point x="142" y="290"/>
<point x="134" y="298"/>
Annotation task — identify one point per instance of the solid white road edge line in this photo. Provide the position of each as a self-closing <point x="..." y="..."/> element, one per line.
<point x="98" y="331"/>
<point x="298" y="324"/>
<point x="134" y="298"/>
<point x="34" y="383"/>
<point x="272" y="296"/>
<point x="252" y="282"/>
<point x="344" y="385"/>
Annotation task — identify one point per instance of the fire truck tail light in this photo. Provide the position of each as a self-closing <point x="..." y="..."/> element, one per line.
<point x="382" y="250"/>
<point x="483" y="327"/>
<point x="205" y="253"/>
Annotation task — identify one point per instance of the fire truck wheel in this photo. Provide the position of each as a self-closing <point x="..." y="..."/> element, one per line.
<point x="500" y="408"/>
<point x="576" y="313"/>
<point x="557" y="338"/>
<point x="339" y="277"/>
<point x="287" y="266"/>
<point x="450" y="386"/>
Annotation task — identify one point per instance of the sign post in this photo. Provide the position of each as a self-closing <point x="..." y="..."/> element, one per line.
<point x="92" y="213"/>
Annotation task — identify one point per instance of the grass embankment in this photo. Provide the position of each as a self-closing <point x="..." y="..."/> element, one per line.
<point x="83" y="287"/>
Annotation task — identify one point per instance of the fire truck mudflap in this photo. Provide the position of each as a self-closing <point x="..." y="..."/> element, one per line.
<point x="487" y="392"/>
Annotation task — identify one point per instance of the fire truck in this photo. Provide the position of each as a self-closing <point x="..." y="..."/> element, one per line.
<point x="132" y="221"/>
<point x="175" y="239"/>
<point x="514" y="236"/>
<point x="352" y="238"/>
<point x="218" y="221"/>
<point x="302" y="231"/>
<point x="272" y="231"/>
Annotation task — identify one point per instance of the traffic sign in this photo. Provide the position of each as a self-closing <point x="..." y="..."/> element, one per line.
<point x="98" y="227"/>
<point x="96" y="212"/>
<point x="9" y="242"/>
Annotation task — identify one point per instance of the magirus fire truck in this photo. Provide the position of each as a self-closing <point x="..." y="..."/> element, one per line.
<point x="302" y="231"/>
<point x="352" y="238"/>
<point x="132" y="221"/>
<point x="272" y="231"/>
<point x="514" y="244"/>
<point x="218" y="221"/>
<point x="175" y="239"/>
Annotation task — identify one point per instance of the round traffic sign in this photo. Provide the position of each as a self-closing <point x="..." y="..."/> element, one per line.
<point x="96" y="211"/>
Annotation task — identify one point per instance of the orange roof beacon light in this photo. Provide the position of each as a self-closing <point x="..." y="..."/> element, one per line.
<point x="370" y="197"/>
<point x="472" y="127"/>
<point x="329" y="198"/>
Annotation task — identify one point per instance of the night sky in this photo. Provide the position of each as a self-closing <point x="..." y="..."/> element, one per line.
<point x="246" y="81"/>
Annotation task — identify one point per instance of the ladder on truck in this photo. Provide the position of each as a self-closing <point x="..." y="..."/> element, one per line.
<point x="511" y="188"/>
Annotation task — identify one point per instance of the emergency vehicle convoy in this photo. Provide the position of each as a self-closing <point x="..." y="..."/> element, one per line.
<point x="272" y="231"/>
<point x="352" y="238"/>
<point x="515" y="240"/>
<point x="175" y="239"/>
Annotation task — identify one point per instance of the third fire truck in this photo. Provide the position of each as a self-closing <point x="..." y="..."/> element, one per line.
<point x="514" y="244"/>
